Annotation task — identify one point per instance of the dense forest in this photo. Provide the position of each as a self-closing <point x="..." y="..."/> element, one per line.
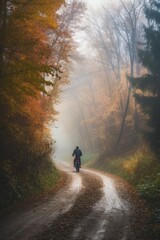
<point x="116" y="99"/>
<point x="35" y="42"/>
<point x="115" y="91"/>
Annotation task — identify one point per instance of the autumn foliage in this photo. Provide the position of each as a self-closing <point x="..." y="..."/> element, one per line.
<point x="28" y="74"/>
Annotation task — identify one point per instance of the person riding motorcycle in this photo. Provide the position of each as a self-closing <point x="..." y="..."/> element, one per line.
<point x="77" y="153"/>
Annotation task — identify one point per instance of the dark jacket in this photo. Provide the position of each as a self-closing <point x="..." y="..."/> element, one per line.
<point x="77" y="153"/>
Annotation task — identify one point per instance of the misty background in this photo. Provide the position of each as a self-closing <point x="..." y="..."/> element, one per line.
<point x="94" y="100"/>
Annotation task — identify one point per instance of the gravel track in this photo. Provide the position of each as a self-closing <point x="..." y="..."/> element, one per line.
<point x="90" y="206"/>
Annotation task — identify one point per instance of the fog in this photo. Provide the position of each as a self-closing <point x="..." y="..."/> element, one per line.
<point x="91" y="107"/>
<point x="65" y="131"/>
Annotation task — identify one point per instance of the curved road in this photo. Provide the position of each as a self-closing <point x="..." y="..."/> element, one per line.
<point x="88" y="207"/>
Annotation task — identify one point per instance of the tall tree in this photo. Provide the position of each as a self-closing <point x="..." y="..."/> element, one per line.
<point x="127" y="24"/>
<point x="115" y="35"/>
<point x="68" y="20"/>
<point x="148" y="85"/>
<point x="24" y="105"/>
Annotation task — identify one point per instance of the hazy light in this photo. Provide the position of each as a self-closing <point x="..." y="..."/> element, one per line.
<point x="66" y="136"/>
<point x="96" y="4"/>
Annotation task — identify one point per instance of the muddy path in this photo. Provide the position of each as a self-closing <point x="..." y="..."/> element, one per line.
<point x="90" y="206"/>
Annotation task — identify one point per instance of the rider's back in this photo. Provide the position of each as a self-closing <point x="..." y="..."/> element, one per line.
<point x="77" y="152"/>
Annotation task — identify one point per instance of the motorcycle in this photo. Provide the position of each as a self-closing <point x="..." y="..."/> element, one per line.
<point x="77" y="164"/>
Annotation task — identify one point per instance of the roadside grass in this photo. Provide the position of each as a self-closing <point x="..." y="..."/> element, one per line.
<point x="141" y="169"/>
<point x="20" y="188"/>
<point x="89" y="159"/>
<point x="40" y="181"/>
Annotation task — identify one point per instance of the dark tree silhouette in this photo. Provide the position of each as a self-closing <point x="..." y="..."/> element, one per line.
<point x="148" y="85"/>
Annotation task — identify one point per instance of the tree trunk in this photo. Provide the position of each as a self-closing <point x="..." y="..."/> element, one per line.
<point x="126" y="107"/>
<point x="124" y="118"/>
<point x="3" y="19"/>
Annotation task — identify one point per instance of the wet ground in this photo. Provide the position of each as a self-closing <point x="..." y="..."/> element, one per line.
<point x="91" y="206"/>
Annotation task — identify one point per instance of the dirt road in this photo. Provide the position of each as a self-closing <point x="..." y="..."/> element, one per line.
<point x="89" y="207"/>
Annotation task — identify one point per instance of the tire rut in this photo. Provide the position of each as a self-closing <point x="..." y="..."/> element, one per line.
<point x="62" y="228"/>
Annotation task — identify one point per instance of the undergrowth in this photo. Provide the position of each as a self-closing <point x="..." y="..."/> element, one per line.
<point x="141" y="169"/>
<point x="16" y="189"/>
